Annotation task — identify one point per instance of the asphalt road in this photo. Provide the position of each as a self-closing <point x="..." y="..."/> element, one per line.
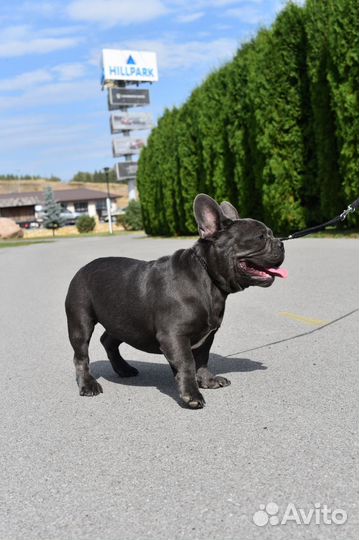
<point x="131" y="463"/>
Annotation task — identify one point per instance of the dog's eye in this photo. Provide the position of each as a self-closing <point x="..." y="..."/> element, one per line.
<point x="261" y="237"/>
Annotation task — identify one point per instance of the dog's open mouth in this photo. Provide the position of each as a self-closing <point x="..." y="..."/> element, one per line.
<point x="262" y="273"/>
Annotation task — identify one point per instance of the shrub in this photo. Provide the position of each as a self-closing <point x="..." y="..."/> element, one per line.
<point x="85" y="224"/>
<point x="133" y="216"/>
<point x="120" y="220"/>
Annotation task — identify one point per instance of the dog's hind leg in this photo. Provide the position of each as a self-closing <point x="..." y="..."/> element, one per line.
<point x="120" y="366"/>
<point x="80" y="326"/>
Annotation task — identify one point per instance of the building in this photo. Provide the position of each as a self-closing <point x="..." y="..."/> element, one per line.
<point x="23" y="207"/>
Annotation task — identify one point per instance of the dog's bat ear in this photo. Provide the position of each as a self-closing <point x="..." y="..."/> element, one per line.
<point x="208" y="215"/>
<point x="229" y="211"/>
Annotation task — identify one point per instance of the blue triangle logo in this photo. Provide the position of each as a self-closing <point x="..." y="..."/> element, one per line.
<point x="130" y="60"/>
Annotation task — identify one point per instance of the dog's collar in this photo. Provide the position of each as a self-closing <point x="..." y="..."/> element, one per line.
<point x="203" y="262"/>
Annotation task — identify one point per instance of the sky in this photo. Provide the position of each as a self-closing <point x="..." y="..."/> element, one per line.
<point x="53" y="114"/>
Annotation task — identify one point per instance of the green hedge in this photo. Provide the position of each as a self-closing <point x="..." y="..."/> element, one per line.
<point x="85" y="224"/>
<point x="275" y="131"/>
<point x="133" y="217"/>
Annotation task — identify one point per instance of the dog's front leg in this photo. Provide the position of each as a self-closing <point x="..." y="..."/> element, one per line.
<point x="177" y="350"/>
<point x="205" y="378"/>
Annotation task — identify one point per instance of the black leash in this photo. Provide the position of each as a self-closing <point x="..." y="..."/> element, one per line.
<point x="351" y="208"/>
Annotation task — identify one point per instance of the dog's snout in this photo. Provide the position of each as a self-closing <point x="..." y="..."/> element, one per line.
<point x="281" y="245"/>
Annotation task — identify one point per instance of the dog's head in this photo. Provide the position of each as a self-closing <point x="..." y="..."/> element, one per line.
<point x="239" y="252"/>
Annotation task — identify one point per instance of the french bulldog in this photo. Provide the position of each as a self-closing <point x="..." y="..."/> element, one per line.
<point x="173" y="305"/>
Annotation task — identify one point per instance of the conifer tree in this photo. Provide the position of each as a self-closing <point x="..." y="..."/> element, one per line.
<point x="52" y="210"/>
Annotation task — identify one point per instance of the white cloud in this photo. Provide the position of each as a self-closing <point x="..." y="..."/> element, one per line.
<point x="197" y="5"/>
<point x="53" y="93"/>
<point x="13" y="32"/>
<point x="116" y="12"/>
<point x="38" y="77"/>
<point x="247" y="11"/>
<point x="63" y="30"/>
<point x="255" y="12"/>
<point x="246" y="14"/>
<point x="35" y="46"/>
<point x="44" y="139"/>
<point x="44" y="9"/>
<point x="32" y="132"/>
<point x="69" y="72"/>
<point x="188" y="55"/>
<point x="25" y="80"/>
<point x="191" y="17"/>
<point x="23" y="40"/>
<point x="220" y="3"/>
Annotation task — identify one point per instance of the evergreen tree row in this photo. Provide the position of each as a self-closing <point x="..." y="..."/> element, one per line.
<point x="275" y="131"/>
<point x="28" y="177"/>
<point x="97" y="176"/>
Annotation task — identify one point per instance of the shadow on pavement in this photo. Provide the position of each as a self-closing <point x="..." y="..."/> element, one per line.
<point x="160" y="375"/>
<point x="298" y="335"/>
<point x="224" y="364"/>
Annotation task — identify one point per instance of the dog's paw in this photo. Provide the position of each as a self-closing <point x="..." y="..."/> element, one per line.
<point x="90" y="388"/>
<point x="194" y="400"/>
<point x="214" y="381"/>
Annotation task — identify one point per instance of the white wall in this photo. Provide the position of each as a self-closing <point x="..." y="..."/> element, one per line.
<point x="92" y="209"/>
<point x="70" y="207"/>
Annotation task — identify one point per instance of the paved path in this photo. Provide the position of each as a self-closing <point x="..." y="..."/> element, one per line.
<point x="131" y="463"/>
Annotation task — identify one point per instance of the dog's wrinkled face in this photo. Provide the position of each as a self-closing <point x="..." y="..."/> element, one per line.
<point x="244" y="250"/>
<point x="255" y="252"/>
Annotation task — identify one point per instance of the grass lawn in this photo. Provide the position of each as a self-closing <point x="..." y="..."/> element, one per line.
<point x="49" y="239"/>
<point x="18" y="243"/>
<point x="58" y="235"/>
<point x="329" y="233"/>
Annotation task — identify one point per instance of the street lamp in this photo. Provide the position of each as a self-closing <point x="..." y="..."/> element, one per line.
<point x="108" y="200"/>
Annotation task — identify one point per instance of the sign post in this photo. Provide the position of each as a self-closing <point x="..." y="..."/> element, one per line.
<point x="122" y="121"/>
<point x="128" y="66"/>
<point x="120" y="69"/>
<point x="108" y="200"/>
<point x="123" y="97"/>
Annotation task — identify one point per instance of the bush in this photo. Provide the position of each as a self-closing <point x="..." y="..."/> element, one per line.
<point x="133" y="216"/>
<point x="85" y="224"/>
<point x="120" y="220"/>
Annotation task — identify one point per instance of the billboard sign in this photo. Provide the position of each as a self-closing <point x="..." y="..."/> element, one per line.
<point x="126" y="146"/>
<point x="124" y="97"/>
<point x="128" y="66"/>
<point x="126" y="170"/>
<point x="124" y="121"/>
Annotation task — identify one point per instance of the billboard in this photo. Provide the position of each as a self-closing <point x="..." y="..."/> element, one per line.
<point x="129" y="66"/>
<point x="126" y="146"/>
<point x="124" y="97"/>
<point x="126" y="170"/>
<point x="124" y="121"/>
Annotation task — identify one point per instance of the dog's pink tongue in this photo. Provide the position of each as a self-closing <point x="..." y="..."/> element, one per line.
<point x="279" y="272"/>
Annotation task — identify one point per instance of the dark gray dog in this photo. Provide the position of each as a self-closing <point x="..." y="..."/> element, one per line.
<point x="173" y="305"/>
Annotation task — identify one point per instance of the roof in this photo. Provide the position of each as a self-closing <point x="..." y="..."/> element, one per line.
<point x="31" y="198"/>
<point x="18" y="200"/>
